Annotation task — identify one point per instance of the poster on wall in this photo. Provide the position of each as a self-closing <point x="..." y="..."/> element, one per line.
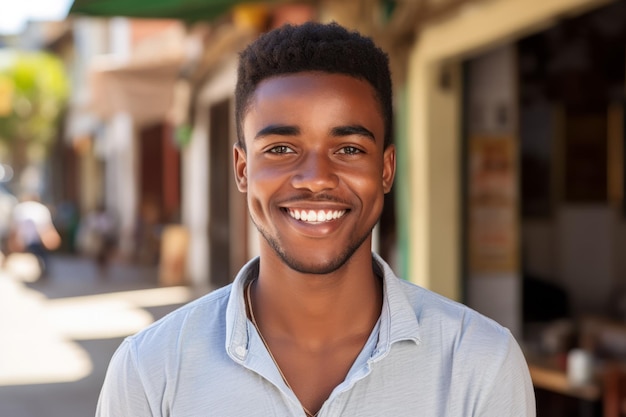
<point x="493" y="205"/>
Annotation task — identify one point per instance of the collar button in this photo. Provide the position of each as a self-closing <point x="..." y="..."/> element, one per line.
<point x="241" y="351"/>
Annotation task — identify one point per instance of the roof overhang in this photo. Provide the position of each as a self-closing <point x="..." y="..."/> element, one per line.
<point x="143" y="89"/>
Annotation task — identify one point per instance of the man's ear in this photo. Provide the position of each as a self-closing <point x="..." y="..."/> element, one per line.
<point x="389" y="167"/>
<point x="240" y="166"/>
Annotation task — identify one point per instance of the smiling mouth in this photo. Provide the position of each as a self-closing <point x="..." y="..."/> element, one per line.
<point x="316" y="216"/>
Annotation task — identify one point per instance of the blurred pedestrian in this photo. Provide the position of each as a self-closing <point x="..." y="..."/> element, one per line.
<point x="7" y="204"/>
<point x="67" y="221"/>
<point x="32" y="230"/>
<point x="97" y="236"/>
<point x="148" y="231"/>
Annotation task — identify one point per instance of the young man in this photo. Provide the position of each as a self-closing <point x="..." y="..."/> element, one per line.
<point x="318" y="325"/>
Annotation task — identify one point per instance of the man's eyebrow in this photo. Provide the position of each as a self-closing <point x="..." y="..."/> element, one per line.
<point x="280" y="130"/>
<point x="353" y="130"/>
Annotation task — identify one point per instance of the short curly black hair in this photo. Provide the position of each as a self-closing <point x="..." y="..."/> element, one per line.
<point x="313" y="46"/>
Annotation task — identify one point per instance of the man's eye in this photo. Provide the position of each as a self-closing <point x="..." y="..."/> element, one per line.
<point x="281" y="149"/>
<point x="350" y="150"/>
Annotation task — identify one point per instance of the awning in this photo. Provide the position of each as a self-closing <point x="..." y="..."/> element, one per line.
<point x="188" y="10"/>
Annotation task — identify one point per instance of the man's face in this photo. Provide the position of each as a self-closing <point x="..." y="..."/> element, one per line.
<point x="314" y="169"/>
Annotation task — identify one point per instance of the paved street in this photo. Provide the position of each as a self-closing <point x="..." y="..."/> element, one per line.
<point x="58" y="333"/>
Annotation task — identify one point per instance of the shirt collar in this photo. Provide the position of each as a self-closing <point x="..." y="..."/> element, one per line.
<point x="398" y="320"/>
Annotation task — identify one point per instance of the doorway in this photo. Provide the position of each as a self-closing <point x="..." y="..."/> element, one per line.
<point x="219" y="207"/>
<point x="572" y="86"/>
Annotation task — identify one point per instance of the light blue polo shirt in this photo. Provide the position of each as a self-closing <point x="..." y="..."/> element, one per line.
<point x="427" y="356"/>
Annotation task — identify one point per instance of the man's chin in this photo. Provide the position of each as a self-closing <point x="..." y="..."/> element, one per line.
<point x="319" y="268"/>
<point x="317" y="263"/>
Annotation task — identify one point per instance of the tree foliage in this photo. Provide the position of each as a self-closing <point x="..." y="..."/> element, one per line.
<point x="34" y="89"/>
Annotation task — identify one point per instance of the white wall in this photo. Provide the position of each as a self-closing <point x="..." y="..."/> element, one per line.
<point x="491" y="89"/>
<point x="578" y="250"/>
<point x="121" y="155"/>
<point x="121" y="178"/>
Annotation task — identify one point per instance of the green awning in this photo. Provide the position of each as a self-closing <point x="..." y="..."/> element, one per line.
<point x="188" y="10"/>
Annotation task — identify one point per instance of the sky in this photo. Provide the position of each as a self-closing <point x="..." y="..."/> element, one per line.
<point x="15" y="13"/>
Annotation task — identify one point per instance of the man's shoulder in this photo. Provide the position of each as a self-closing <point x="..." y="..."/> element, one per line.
<point x="435" y="311"/>
<point x="438" y="316"/>
<point x="198" y="318"/>
<point x="163" y="352"/>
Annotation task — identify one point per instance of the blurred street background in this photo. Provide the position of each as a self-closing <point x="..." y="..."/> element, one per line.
<point x="118" y="204"/>
<point x="59" y="333"/>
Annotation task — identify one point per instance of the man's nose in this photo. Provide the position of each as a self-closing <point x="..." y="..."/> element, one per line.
<point x="315" y="173"/>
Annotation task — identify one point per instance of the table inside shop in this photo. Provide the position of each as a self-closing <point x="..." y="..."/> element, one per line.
<point x="551" y="377"/>
<point x="605" y="337"/>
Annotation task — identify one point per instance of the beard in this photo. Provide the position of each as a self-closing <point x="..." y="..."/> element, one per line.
<point x="316" y="269"/>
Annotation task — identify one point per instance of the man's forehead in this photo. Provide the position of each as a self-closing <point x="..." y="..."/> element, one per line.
<point x="336" y="104"/>
<point x="294" y="85"/>
<point x="321" y="76"/>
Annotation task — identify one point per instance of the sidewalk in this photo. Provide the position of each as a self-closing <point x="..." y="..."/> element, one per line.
<point x="59" y="333"/>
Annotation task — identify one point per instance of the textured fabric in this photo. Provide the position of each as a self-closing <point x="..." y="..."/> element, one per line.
<point x="427" y="356"/>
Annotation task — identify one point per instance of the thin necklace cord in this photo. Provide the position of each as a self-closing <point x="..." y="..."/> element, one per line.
<point x="280" y="371"/>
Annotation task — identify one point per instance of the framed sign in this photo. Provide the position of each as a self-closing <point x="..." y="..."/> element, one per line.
<point x="493" y="205"/>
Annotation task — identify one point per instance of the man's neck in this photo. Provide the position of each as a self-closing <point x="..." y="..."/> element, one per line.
<point x="317" y="310"/>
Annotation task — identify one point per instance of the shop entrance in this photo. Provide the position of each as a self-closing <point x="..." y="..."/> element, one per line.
<point x="544" y="167"/>
<point x="544" y="211"/>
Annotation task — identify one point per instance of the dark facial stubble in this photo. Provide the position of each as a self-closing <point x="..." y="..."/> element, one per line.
<point x="330" y="267"/>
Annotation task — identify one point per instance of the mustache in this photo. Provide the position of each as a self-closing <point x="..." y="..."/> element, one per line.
<point x="315" y="197"/>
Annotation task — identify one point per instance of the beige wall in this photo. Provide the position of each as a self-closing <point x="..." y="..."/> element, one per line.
<point x="433" y="140"/>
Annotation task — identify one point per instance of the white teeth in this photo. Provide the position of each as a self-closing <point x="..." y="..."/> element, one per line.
<point x="316" y="216"/>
